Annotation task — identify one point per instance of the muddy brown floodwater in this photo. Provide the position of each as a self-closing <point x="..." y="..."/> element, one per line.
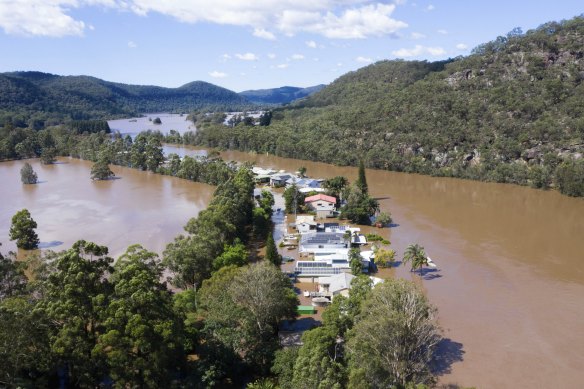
<point x="510" y="289"/>
<point x="139" y="207"/>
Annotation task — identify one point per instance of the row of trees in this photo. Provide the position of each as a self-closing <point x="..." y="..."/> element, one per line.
<point x="84" y="322"/>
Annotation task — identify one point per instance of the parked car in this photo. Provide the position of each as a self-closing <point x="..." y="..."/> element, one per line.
<point x="288" y="259"/>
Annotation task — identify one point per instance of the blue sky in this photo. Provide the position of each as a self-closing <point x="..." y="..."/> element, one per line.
<point x="250" y="44"/>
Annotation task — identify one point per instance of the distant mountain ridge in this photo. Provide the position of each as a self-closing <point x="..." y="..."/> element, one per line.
<point x="281" y="95"/>
<point x="30" y="96"/>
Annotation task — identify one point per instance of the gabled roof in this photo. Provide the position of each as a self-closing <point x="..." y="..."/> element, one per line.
<point x="320" y="196"/>
<point x="337" y="282"/>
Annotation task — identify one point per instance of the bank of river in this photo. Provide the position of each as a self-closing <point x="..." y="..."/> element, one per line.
<point x="139" y="207"/>
<point x="511" y="283"/>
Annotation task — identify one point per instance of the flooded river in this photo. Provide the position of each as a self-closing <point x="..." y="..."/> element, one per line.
<point x="139" y="207"/>
<point x="510" y="286"/>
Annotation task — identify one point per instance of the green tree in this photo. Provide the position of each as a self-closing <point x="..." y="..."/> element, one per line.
<point x="233" y="255"/>
<point x="293" y="199"/>
<point x="394" y="338"/>
<point x="384" y="258"/>
<point x="76" y="294"/>
<point x="362" y="179"/>
<point x="48" y="155"/>
<point x="319" y="362"/>
<point x="335" y="186"/>
<point x="355" y="261"/>
<point x="416" y="256"/>
<point x="283" y="366"/>
<point x="101" y="170"/>
<point x="24" y="344"/>
<point x="13" y="281"/>
<point x="384" y="218"/>
<point x="22" y="230"/>
<point x="272" y="254"/>
<point x="302" y="171"/>
<point x="157" y="121"/>
<point x="360" y="207"/>
<point x="142" y="337"/>
<point x="28" y="175"/>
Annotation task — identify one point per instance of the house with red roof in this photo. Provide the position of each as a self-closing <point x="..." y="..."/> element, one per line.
<point x="323" y="205"/>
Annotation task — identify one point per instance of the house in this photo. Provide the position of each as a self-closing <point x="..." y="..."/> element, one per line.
<point x="305" y="224"/>
<point x="304" y="183"/>
<point x="321" y="240"/>
<point x="279" y="180"/>
<point x="339" y="284"/>
<point x="323" y="205"/>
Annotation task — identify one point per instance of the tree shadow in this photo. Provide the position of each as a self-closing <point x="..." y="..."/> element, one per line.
<point x="448" y="352"/>
<point x="382" y="198"/>
<point x="47" y="245"/>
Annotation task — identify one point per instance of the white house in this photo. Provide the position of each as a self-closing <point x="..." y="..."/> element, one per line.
<point x="339" y="284"/>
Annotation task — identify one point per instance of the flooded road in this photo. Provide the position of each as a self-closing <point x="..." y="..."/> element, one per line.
<point x="510" y="288"/>
<point x="138" y="207"/>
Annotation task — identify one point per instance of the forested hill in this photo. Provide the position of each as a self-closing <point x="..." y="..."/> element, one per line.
<point x="26" y="97"/>
<point x="282" y="95"/>
<point x="512" y="111"/>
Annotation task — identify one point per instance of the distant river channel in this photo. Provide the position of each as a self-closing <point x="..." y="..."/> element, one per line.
<point x="509" y="293"/>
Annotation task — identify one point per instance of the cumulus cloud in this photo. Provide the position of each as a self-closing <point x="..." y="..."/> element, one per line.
<point x="297" y="57"/>
<point x="418" y="51"/>
<point x="442" y="31"/>
<point x="132" y="45"/>
<point x="282" y="66"/>
<point x="264" y="34"/>
<point x="311" y="44"/>
<point x="430" y="8"/>
<point x="271" y="56"/>
<point x="217" y="74"/>
<point x="417" y="35"/>
<point x="363" y="60"/>
<point x="461" y="46"/>
<point x="351" y="19"/>
<point x="247" y="57"/>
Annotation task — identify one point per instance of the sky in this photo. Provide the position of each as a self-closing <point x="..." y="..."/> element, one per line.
<point x="250" y="44"/>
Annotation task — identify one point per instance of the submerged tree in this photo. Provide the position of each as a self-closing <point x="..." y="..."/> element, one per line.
<point x="101" y="170"/>
<point x="416" y="256"/>
<point x="362" y="179"/>
<point x="22" y="230"/>
<point x="28" y="175"/>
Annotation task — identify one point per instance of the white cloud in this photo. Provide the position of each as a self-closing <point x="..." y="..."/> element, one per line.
<point x="341" y="19"/>
<point x="226" y="56"/>
<point x="217" y="74"/>
<point x="132" y="45"/>
<point x="264" y="34"/>
<point x="461" y="46"/>
<point x="417" y="35"/>
<point x="297" y="57"/>
<point x="311" y="44"/>
<point x="442" y="31"/>
<point x="430" y="8"/>
<point x="282" y="66"/>
<point x="363" y="60"/>
<point x="271" y="56"/>
<point x="419" y="50"/>
<point x="247" y="57"/>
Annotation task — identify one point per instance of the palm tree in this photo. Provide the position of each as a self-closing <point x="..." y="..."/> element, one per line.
<point x="416" y="255"/>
